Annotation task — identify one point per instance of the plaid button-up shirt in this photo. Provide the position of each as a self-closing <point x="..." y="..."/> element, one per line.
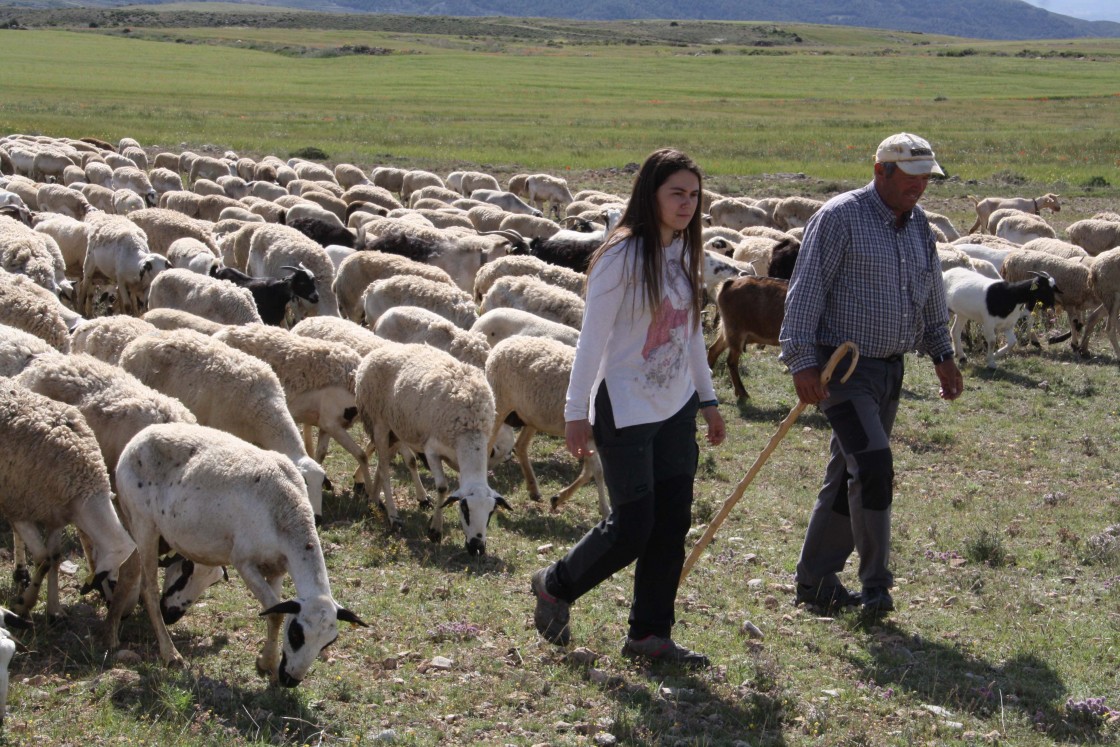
<point x="860" y="277"/>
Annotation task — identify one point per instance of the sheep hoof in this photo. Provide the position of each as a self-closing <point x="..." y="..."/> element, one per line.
<point x="435" y="535"/>
<point x="554" y="503"/>
<point x="359" y="489"/>
<point x="177" y="662"/>
<point x="264" y="670"/>
<point x="21" y="577"/>
<point x="425" y="502"/>
<point x="536" y="497"/>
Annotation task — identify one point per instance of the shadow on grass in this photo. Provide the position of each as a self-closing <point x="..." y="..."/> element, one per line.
<point x="943" y="675"/>
<point x="681" y="707"/>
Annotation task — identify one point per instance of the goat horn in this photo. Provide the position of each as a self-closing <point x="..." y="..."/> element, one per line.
<point x="508" y="234"/>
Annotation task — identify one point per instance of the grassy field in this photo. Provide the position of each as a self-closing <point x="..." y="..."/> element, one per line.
<point x="1007" y="516"/>
<point x="442" y="99"/>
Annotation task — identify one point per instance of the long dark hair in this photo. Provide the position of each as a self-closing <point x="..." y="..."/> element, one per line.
<point x="642" y="222"/>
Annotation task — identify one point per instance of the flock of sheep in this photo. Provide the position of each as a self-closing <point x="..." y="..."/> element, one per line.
<point x="255" y="302"/>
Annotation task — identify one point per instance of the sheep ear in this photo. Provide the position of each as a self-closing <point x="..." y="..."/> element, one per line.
<point x="453" y="498"/>
<point x="345" y="615"/>
<point x="290" y="607"/>
<point x="499" y="500"/>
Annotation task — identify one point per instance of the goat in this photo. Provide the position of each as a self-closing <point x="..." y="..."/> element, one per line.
<point x="272" y="295"/>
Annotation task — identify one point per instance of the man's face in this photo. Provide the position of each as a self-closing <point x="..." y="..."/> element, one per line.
<point x="900" y="191"/>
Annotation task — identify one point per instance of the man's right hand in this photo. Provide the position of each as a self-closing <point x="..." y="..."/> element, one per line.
<point x="810" y="390"/>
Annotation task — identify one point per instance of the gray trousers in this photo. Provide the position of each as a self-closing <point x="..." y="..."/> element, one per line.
<point x="853" y="509"/>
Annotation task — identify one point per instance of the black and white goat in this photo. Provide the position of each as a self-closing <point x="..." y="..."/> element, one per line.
<point x="995" y="305"/>
<point x="272" y="295"/>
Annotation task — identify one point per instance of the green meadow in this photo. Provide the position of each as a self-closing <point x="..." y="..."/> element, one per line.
<point x="1006" y="521"/>
<point x="816" y="109"/>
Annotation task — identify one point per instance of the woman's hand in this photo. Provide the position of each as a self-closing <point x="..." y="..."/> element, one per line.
<point x="717" y="431"/>
<point x="577" y="435"/>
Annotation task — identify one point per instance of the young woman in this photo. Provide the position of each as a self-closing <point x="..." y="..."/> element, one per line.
<point x="639" y="377"/>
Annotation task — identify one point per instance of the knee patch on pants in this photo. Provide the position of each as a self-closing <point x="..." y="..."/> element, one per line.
<point x="876" y="476"/>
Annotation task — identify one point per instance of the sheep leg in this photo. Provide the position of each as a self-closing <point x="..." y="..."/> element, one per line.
<point x="1091" y="325"/>
<point x="21" y="577"/>
<point x="955" y="330"/>
<point x="147" y="546"/>
<point x="590" y="469"/>
<point x="128" y="583"/>
<point x="25" y="602"/>
<point x="521" y="453"/>
<point x="418" y="492"/>
<point x="381" y="440"/>
<point x="435" y="464"/>
<point x="333" y="428"/>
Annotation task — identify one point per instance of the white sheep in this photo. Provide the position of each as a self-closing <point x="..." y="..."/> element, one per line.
<point x="118" y="250"/>
<point x="413" y="324"/>
<point x="532" y="294"/>
<point x="498" y="324"/>
<point x="134" y="180"/>
<point x="217" y="500"/>
<point x="442" y="408"/>
<point x="318" y="381"/>
<point x="486" y="217"/>
<point x="407" y="290"/>
<point x="522" y="264"/>
<point x="1104" y="282"/>
<point x="545" y="189"/>
<point x="1023" y="227"/>
<point x="28" y="307"/>
<point x="165" y="180"/>
<point x="273" y="247"/>
<point x="356" y="272"/>
<point x="56" y="198"/>
<point x="507" y="201"/>
<point x="36" y="255"/>
<point x="225" y="389"/>
<point x="373" y="194"/>
<point x="17" y="348"/>
<point x="172" y="319"/>
<point x="164" y="227"/>
<point x="794" y="212"/>
<point x="126" y="201"/>
<point x="737" y="213"/>
<point x="1094" y="235"/>
<point x="529" y="378"/>
<point x="412" y="181"/>
<point x="53" y="442"/>
<point x="217" y="300"/>
<point x="205" y="167"/>
<point x="105" y="337"/>
<point x="191" y="254"/>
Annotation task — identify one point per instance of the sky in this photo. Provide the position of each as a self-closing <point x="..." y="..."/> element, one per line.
<point x="1090" y="10"/>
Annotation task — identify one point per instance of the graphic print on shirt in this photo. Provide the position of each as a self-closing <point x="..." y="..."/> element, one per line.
<point x="667" y="336"/>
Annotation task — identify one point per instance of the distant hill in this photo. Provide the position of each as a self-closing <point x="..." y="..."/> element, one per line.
<point x="983" y="19"/>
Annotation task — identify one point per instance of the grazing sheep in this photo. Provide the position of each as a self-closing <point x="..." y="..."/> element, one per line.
<point x="71" y="236"/>
<point x="106" y="337"/>
<point x="439" y="407"/>
<point x="985" y="207"/>
<point x="1023" y="227"/>
<point x="26" y="306"/>
<point x="56" y="198"/>
<point x="1104" y="282"/>
<point x="172" y="319"/>
<point x="187" y="203"/>
<point x="373" y="194"/>
<point x="413" y="324"/>
<point x="225" y="389"/>
<point x="1095" y="236"/>
<point x="516" y="265"/>
<point x="234" y="248"/>
<point x="274" y="247"/>
<point x="191" y="254"/>
<point x="469" y="181"/>
<point x="24" y="251"/>
<point x="459" y="257"/>
<point x="407" y="290"/>
<point x="358" y="271"/>
<point x="737" y="213"/>
<point x="118" y="250"/>
<point x="994" y="304"/>
<point x="388" y="178"/>
<point x="944" y="225"/>
<point x="545" y="189"/>
<point x="126" y="202"/>
<point x="164" y="227"/>
<point x="17" y="348"/>
<point x="334" y="329"/>
<point x="529" y="378"/>
<point x="318" y="381"/>
<point x="165" y="180"/>
<point x="348" y="175"/>
<point x="532" y="294"/>
<point x="507" y="201"/>
<point x="412" y="181"/>
<point x="1058" y="248"/>
<point x="134" y="180"/>
<point x="210" y="298"/>
<point x="794" y="212"/>
<point x="53" y="442"/>
<point x="498" y="324"/>
<point x="571" y="249"/>
<point x="205" y="167"/>
<point x="751" y="310"/>
<point x="217" y="500"/>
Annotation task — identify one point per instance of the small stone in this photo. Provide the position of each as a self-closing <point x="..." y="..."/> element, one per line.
<point x="754" y="583"/>
<point x="936" y="710"/>
<point x="582" y="655"/>
<point x="771" y="602"/>
<point x="544" y="548"/>
<point x="389" y="662"/>
<point x="831" y="693"/>
<point x="605" y="738"/>
<point x="954" y="725"/>
<point x="68" y="567"/>
<point x="385" y="735"/>
<point x="562" y="726"/>
<point x="127" y="658"/>
<point x="750" y="557"/>
<point x="598" y="676"/>
<point x="752" y="630"/>
<point x="405" y="588"/>
<point x="442" y="662"/>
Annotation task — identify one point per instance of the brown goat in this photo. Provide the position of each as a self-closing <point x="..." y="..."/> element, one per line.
<point x="751" y="309"/>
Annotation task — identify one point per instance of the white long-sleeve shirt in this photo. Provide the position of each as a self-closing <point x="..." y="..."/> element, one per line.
<point x="652" y="360"/>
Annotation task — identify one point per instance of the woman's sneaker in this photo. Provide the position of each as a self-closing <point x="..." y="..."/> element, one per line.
<point x="656" y="648"/>
<point x="551" y="613"/>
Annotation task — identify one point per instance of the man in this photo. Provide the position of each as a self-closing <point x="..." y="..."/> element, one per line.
<point x="867" y="272"/>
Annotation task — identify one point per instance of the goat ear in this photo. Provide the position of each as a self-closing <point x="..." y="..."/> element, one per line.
<point x="453" y="498"/>
<point x="290" y="607"/>
<point x="12" y="620"/>
<point x="346" y="615"/>
<point x="499" y="500"/>
<point x="225" y="574"/>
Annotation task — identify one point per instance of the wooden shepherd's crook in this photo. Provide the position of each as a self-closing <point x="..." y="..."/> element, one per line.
<point x="783" y="429"/>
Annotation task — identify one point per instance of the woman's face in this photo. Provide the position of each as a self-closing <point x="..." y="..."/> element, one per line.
<point x="678" y="198"/>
